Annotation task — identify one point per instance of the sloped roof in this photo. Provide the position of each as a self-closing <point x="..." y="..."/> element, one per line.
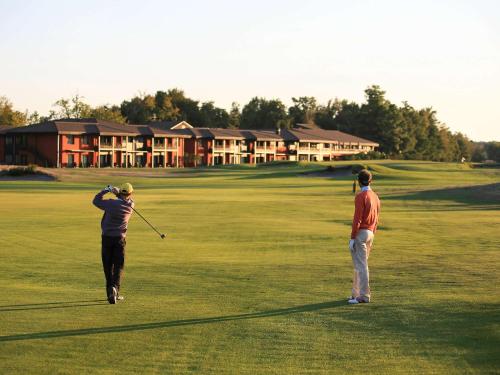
<point x="170" y="125"/>
<point x="195" y="132"/>
<point x="226" y="133"/>
<point x="153" y="131"/>
<point x="93" y="126"/>
<point x="322" y="135"/>
<point x="261" y="135"/>
<point x="103" y="127"/>
<point x="348" y="138"/>
<point x="74" y="126"/>
<point x="4" y="128"/>
<point x="44" y="127"/>
<point x="306" y="126"/>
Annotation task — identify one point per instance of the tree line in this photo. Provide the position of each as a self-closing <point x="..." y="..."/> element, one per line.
<point x="402" y="131"/>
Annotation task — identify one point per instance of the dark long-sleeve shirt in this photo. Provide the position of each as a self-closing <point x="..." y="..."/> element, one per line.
<point x="117" y="213"/>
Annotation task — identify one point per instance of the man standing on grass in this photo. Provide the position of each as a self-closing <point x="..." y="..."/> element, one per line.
<point x="114" y="223"/>
<point x="364" y="225"/>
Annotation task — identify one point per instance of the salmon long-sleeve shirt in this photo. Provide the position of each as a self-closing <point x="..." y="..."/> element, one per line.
<point x="366" y="212"/>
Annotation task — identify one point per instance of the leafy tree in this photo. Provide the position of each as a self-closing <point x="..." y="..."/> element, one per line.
<point x="234" y="116"/>
<point x="34" y="118"/>
<point x="9" y="116"/>
<point x="465" y="146"/>
<point x="479" y="152"/>
<point x="189" y="109"/>
<point x="72" y="108"/>
<point x="348" y="117"/>
<point x="325" y="116"/>
<point x="110" y="113"/>
<point x="303" y="110"/>
<point x="260" y="113"/>
<point x="164" y="107"/>
<point x="380" y="121"/>
<point x="493" y="151"/>
<point x="139" y="110"/>
<point x="214" y="117"/>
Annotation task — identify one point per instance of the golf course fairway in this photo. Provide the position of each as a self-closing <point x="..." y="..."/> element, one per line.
<point x="253" y="275"/>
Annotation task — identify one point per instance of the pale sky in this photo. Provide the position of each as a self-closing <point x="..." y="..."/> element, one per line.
<point x="440" y="54"/>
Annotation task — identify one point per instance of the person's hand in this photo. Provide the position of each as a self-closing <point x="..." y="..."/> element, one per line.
<point x="115" y="190"/>
<point x="108" y="189"/>
<point x="351" y="245"/>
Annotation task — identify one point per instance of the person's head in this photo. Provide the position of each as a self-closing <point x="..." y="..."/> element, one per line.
<point x="364" y="177"/>
<point x="126" y="190"/>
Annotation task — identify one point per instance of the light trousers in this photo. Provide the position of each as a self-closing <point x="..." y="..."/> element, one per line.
<point x="361" y="278"/>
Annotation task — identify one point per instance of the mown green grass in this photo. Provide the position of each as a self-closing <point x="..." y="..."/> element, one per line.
<point x="253" y="275"/>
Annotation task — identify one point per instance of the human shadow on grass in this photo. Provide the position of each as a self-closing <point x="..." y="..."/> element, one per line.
<point x="52" y="305"/>
<point x="175" y="323"/>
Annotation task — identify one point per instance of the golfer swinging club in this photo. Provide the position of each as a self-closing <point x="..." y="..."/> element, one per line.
<point x="364" y="225"/>
<point x="114" y="223"/>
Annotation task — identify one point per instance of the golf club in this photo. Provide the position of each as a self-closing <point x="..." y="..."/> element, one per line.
<point x="162" y="236"/>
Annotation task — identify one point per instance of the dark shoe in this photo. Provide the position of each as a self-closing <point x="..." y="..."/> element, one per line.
<point x="112" y="296"/>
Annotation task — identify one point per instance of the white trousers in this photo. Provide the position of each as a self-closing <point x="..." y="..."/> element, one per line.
<point x="361" y="278"/>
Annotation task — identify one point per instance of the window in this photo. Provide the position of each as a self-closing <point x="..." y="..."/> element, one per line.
<point x="85" y="139"/>
<point x="139" y="161"/>
<point x="106" y="141"/>
<point x="71" y="160"/>
<point x="71" y="139"/>
<point x="85" y="161"/>
<point x="8" y="140"/>
<point x="21" y="140"/>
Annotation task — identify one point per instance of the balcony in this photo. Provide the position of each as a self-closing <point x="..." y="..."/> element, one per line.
<point x="265" y="149"/>
<point x="222" y="148"/>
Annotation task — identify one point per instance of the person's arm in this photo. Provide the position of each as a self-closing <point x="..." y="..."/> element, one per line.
<point x="378" y="215"/>
<point x="358" y="213"/>
<point x="99" y="202"/>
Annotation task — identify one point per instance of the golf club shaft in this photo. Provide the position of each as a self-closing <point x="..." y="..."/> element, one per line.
<point x="143" y="218"/>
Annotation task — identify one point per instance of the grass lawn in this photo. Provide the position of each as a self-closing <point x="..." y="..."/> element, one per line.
<point x="254" y="274"/>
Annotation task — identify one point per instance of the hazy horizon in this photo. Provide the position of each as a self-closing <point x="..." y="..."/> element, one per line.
<point x="442" y="55"/>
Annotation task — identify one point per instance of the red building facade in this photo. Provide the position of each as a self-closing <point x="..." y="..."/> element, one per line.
<point x="94" y="143"/>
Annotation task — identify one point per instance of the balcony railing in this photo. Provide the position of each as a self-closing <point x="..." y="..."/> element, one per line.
<point x="222" y="148"/>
